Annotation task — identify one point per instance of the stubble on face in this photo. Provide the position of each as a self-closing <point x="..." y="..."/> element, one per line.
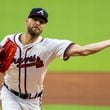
<point x="35" y="26"/>
<point x="34" y="32"/>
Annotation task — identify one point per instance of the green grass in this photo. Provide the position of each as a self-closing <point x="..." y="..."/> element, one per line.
<point x="81" y="21"/>
<point x="74" y="107"/>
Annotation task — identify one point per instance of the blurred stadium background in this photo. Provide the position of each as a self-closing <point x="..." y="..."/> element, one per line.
<point x="81" y="21"/>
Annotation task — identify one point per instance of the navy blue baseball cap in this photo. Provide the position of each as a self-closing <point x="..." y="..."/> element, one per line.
<point x="39" y="12"/>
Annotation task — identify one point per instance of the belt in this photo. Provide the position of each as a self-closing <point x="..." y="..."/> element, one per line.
<point x="22" y="95"/>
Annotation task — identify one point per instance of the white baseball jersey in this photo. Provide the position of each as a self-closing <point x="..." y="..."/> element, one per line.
<point x="27" y="71"/>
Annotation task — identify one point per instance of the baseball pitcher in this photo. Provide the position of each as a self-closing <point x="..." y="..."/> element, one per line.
<point x="24" y="59"/>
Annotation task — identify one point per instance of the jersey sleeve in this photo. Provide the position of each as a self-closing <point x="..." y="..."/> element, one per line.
<point x="5" y="39"/>
<point x="58" y="48"/>
<point x="61" y="49"/>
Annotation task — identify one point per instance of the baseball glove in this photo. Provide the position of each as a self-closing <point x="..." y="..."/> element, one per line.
<point x="7" y="52"/>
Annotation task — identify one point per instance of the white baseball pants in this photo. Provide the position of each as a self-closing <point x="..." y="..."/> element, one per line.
<point x="13" y="102"/>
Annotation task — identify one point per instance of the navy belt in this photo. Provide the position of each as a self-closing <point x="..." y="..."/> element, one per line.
<point x="22" y="95"/>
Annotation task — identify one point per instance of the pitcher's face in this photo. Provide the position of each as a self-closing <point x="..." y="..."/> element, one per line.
<point x="35" y="26"/>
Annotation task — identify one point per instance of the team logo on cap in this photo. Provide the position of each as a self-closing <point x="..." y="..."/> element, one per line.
<point x="41" y="12"/>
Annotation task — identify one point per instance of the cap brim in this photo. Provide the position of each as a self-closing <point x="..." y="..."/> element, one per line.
<point x="38" y="15"/>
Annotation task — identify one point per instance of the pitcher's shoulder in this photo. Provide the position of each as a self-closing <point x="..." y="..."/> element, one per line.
<point x="51" y="40"/>
<point x="11" y="36"/>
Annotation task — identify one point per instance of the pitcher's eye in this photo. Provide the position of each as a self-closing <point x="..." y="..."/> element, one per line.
<point x="39" y="19"/>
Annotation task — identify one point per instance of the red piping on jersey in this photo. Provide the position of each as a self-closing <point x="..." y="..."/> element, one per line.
<point x="64" y="55"/>
<point x="19" y="67"/>
<point x="39" y="63"/>
<point x="26" y="70"/>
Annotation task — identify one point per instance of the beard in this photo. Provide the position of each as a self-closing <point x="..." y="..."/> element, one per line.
<point x="33" y="33"/>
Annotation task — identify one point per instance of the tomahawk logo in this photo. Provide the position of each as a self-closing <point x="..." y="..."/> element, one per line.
<point x="41" y="12"/>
